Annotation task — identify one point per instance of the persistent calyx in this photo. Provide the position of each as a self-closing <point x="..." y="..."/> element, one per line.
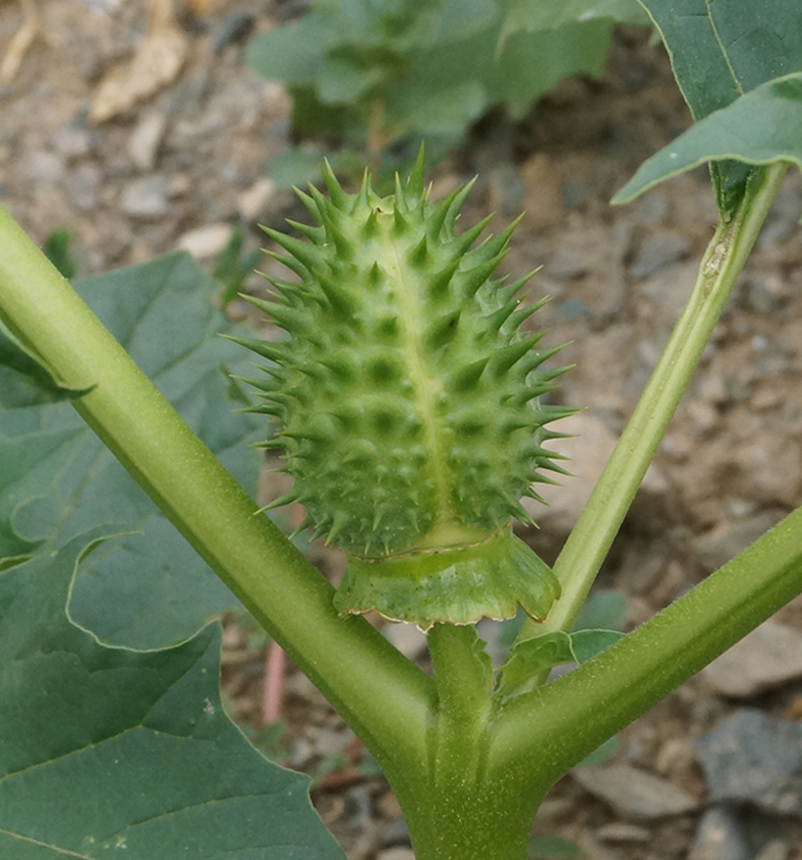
<point x="406" y="400"/>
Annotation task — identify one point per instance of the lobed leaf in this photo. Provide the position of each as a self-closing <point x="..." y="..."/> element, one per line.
<point x="532" y="15"/>
<point x="426" y="68"/>
<point x="29" y="468"/>
<point x="155" y="590"/>
<point x="23" y="381"/>
<point x="114" y="752"/>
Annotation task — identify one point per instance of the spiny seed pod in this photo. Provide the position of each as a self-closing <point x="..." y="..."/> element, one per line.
<point x="406" y="402"/>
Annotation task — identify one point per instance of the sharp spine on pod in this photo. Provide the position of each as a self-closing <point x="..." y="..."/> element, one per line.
<point x="406" y="402"/>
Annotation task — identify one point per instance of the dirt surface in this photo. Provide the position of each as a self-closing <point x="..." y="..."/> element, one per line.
<point x="192" y="157"/>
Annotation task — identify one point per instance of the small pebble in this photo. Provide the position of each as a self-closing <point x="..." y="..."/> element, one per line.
<point x="634" y="793"/>
<point x="83" y="184"/>
<point x="45" y="168"/>
<point x="73" y="142"/>
<point x="715" y="548"/>
<point x="146" y="138"/>
<point x="720" y="836"/>
<point x="251" y="203"/>
<point x="408" y="638"/>
<point x="676" y="756"/>
<point x="658" y="251"/>
<point x="395" y="832"/>
<point x="774" y="850"/>
<point x="397" y="853"/>
<point x="233" y="29"/>
<point x="750" y="758"/>
<point x="206" y="242"/>
<point x="146" y="197"/>
<point x="619" y="831"/>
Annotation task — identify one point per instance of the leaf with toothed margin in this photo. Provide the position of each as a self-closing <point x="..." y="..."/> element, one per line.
<point x="114" y="752"/>
<point x="156" y="590"/>
<point x="25" y="382"/>
<point x="434" y="68"/>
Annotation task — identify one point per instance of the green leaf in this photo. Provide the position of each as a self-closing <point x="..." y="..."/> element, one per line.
<point x="292" y="53"/>
<point x="114" y="752"/>
<point x="341" y="81"/>
<point x="719" y="52"/>
<point x="761" y="127"/>
<point x="605" y="608"/>
<point x="536" y="656"/>
<point x="553" y="848"/>
<point x="155" y="590"/>
<point x="586" y="644"/>
<point x="231" y="268"/>
<point x="57" y="250"/>
<point x="532" y="15"/>
<point x="532" y="657"/>
<point x="436" y="97"/>
<point x="28" y="471"/>
<point x="424" y="68"/>
<point x="23" y="381"/>
<point x="532" y="64"/>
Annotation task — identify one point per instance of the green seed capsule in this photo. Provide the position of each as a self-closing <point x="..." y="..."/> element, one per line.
<point x="406" y="401"/>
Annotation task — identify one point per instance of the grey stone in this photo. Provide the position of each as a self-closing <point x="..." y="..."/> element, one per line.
<point x="653" y="208"/>
<point x="83" y="185"/>
<point x="725" y="540"/>
<point x="146" y="138"/>
<point x="396" y="854"/>
<point x="507" y="189"/>
<point x="206" y="242"/>
<point x="769" y="656"/>
<point x="574" y="194"/>
<point x="251" y="203"/>
<point x="658" y="251"/>
<point x="408" y="638"/>
<point x="783" y="217"/>
<point x="670" y="287"/>
<point x="774" y="850"/>
<point x="752" y="759"/>
<point x="589" y="449"/>
<point x="357" y="810"/>
<point x="146" y="197"/>
<point x="571" y="262"/>
<point x="620" y="831"/>
<point x="720" y="836"/>
<point x="45" y="168"/>
<point x="765" y="293"/>
<point x="233" y="29"/>
<point x="633" y="793"/>
<point x="73" y="142"/>
<point x="395" y="832"/>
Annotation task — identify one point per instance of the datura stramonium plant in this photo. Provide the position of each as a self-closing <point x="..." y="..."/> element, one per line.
<point x="406" y="399"/>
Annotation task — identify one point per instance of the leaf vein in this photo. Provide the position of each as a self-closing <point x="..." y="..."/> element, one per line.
<point x="720" y="43"/>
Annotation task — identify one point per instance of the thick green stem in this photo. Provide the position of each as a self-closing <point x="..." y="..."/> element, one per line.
<point x="590" y="541"/>
<point x="462" y="814"/>
<point x="464" y="676"/>
<point x="548" y="731"/>
<point x="386" y="699"/>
